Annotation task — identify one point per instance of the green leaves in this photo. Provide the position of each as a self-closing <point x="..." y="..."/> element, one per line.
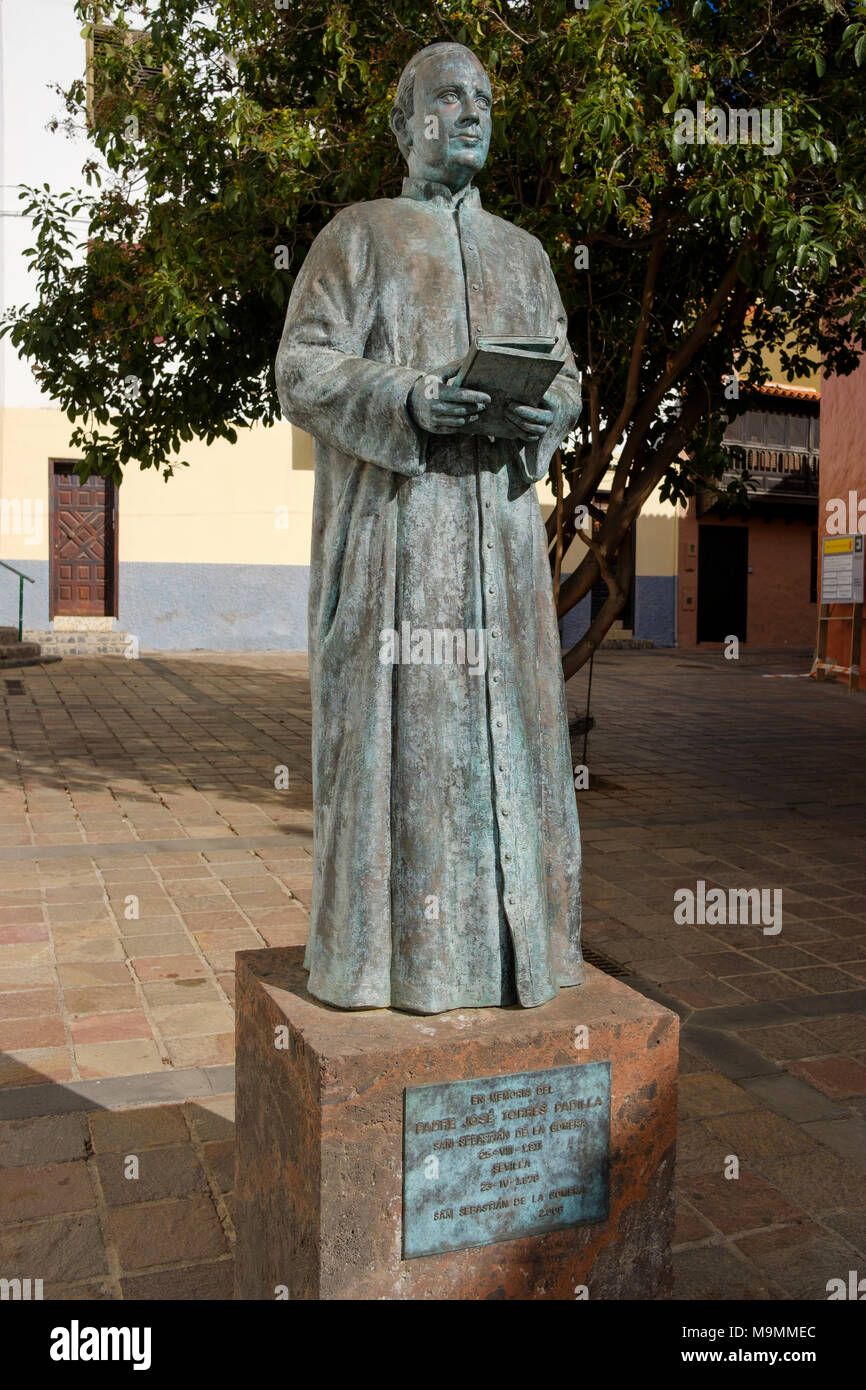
<point x="256" y="125"/>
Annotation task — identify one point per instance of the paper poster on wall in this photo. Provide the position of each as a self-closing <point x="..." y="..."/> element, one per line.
<point x="842" y="569"/>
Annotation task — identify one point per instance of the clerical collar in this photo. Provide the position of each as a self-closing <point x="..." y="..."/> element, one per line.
<point x="429" y="191"/>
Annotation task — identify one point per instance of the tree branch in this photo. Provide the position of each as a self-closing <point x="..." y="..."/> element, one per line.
<point x="610" y="610"/>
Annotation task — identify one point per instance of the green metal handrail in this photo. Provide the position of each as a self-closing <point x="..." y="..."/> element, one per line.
<point x="21" y="578"/>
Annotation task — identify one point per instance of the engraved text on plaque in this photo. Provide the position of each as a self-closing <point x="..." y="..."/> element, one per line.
<point x="498" y="1157"/>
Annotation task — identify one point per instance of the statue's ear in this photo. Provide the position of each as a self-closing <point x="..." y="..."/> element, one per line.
<point x="401" y="130"/>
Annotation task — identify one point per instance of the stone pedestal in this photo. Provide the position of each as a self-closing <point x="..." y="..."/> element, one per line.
<point x="320" y="1142"/>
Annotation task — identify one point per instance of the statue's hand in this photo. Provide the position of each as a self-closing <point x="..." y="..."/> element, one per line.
<point x="442" y="409"/>
<point x="531" y="420"/>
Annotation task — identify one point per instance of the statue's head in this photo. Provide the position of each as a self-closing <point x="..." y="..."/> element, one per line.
<point x="441" y="115"/>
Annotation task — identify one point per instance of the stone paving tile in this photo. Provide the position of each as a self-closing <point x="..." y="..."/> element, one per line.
<point x="756" y="1135"/>
<point x="183" y="747"/>
<point x="131" y="1130"/>
<point x="851" y="1226"/>
<point x="19" y="1033"/>
<point x="784" y="1041"/>
<point x="787" y="1095"/>
<point x="705" y="1093"/>
<point x="93" y="973"/>
<point x="846" y="1033"/>
<point x="67" y="1248"/>
<point x="716" y="1272"/>
<point x="211" y="1280"/>
<point x="219" y="1156"/>
<point x="842" y="950"/>
<point x="151" y="947"/>
<point x="690" y="1061"/>
<point x="188" y="990"/>
<point x="734" y="1204"/>
<point x="838" y="1077"/>
<point x="117" y="1058"/>
<point x="109" y="1027"/>
<point x="33" y="1065"/>
<point x="30" y="1003"/>
<point x="45" y="1190"/>
<point x="44" y="1139"/>
<point x="98" y="999"/>
<point x="824" y="978"/>
<point x="211" y="1049"/>
<point x="798" y="1258"/>
<point x="185" y="1020"/>
<point x="92" y="1230"/>
<point x="724" y="964"/>
<point x="766" y="988"/>
<point x="689" y="1226"/>
<point x="846" y="1137"/>
<point x="211" y="1119"/>
<point x="157" y="1174"/>
<point x="818" y="1181"/>
<point x="703" y="992"/>
<point x="699" y="1150"/>
<point x="181" y="967"/>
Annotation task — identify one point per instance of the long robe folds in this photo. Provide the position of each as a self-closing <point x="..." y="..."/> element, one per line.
<point x="446" y="842"/>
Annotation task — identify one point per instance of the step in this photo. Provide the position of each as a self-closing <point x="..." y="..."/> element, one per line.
<point x="86" y="642"/>
<point x="16" y="662"/>
<point x="8" y="634"/>
<point x="17" y="651"/>
<point x="68" y="622"/>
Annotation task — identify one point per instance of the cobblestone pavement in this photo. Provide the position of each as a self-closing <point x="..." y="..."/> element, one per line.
<point x="155" y="818"/>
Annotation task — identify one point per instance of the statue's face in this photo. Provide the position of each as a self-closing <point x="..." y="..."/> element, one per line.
<point x="449" y="128"/>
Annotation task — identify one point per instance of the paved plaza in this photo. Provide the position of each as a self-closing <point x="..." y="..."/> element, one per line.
<point x="155" y="818"/>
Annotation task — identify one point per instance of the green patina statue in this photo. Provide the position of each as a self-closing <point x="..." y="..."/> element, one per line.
<point x="446" y="842"/>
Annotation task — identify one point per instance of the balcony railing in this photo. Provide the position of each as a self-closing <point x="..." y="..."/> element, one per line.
<point x="776" y="469"/>
<point x="760" y="458"/>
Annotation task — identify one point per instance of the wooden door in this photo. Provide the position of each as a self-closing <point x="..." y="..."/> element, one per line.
<point x="83" y="544"/>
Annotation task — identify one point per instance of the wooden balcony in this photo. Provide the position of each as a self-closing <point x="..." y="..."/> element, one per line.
<point x="774" y="469"/>
<point x="773" y="475"/>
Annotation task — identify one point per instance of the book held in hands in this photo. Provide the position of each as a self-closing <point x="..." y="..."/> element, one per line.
<point x="517" y="370"/>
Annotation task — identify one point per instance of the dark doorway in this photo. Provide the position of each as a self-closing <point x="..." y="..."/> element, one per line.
<point x="599" y="591"/>
<point x="83" y="543"/>
<point x="723" y="582"/>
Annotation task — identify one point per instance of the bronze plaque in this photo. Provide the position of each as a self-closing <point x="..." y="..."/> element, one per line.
<point x="498" y="1157"/>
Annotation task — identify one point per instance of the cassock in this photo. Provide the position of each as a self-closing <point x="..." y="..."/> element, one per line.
<point x="446" y="845"/>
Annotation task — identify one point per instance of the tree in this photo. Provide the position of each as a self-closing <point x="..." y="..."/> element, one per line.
<point x="235" y="129"/>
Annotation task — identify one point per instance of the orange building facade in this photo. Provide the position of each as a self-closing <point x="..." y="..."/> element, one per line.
<point x="751" y="571"/>
<point x="780" y="608"/>
<point x="843" y="495"/>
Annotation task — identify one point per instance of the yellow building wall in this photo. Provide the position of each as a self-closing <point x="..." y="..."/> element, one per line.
<point x="656" y="533"/>
<point x="240" y="503"/>
<point x="244" y="503"/>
